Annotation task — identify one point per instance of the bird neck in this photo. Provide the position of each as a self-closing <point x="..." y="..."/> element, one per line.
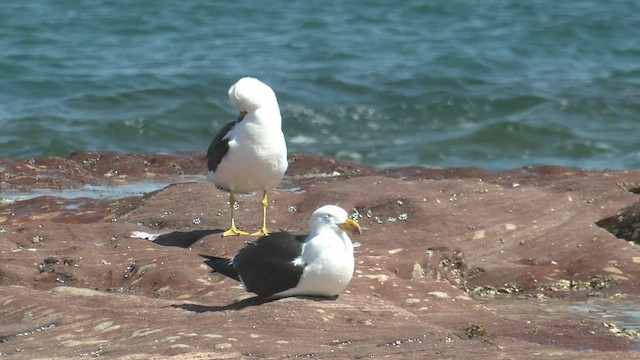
<point x="328" y="233"/>
<point x="268" y="116"/>
<point x="259" y="125"/>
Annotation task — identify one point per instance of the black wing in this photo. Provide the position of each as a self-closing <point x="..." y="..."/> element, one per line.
<point x="219" y="146"/>
<point x="266" y="266"/>
<point x="222" y="266"/>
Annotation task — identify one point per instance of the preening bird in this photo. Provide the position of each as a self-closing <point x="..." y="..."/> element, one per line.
<point x="249" y="154"/>
<point x="282" y="264"/>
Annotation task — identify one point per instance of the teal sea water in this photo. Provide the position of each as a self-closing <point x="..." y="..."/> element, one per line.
<point x="496" y="83"/>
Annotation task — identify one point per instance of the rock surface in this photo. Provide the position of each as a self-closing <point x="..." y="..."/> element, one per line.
<point x="453" y="263"/>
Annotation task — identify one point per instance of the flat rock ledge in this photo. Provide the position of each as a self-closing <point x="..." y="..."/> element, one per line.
<point x="452" y="263"/>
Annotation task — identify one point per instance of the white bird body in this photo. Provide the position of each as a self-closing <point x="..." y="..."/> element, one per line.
<point x="262" y="157"/>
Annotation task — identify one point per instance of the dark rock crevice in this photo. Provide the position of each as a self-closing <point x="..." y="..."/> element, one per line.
<point x="625" y="224"/>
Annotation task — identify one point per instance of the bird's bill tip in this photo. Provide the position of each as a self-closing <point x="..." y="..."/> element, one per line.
<point x="351" y="226"/>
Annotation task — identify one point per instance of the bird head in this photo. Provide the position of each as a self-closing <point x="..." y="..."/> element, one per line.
<point x="333" y="217"/>
<point x="250" y="94"/>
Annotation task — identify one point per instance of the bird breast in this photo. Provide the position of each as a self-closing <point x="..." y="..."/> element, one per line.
<point x="329" y="267"/>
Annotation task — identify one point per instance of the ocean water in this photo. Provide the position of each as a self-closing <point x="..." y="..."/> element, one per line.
<point x="496" y="84"/>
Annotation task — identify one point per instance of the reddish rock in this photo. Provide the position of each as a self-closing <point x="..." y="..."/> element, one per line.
<point x="453" y="263"/>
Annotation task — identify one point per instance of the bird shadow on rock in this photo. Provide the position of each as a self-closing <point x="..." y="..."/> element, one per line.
<point x="238" y="305"/>
<point x="242" y="304"/>
<point x="184" y="239"/>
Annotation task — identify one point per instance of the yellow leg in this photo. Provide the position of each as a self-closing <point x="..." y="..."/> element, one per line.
<point x="233" y="230"/>
<point x="263" y="231"/>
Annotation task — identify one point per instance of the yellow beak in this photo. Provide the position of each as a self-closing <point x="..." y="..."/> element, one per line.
<point x="242" y="115"/>
<point x="351" y="226"/>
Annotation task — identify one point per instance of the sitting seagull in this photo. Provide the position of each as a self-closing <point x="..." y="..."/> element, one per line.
<point x="249" y="154"/>
<point x="282" y="264"/>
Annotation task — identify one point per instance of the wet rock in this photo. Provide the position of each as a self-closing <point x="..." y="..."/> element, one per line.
<point x="77" y="278"/>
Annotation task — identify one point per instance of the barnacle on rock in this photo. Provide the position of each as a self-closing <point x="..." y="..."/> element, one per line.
<point x="595" y="283"/>
<point x="475" y="330"/>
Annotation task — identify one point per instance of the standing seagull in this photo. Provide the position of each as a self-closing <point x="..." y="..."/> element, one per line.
<point x="249" y="154"/>
<point x="282" y="264"/>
